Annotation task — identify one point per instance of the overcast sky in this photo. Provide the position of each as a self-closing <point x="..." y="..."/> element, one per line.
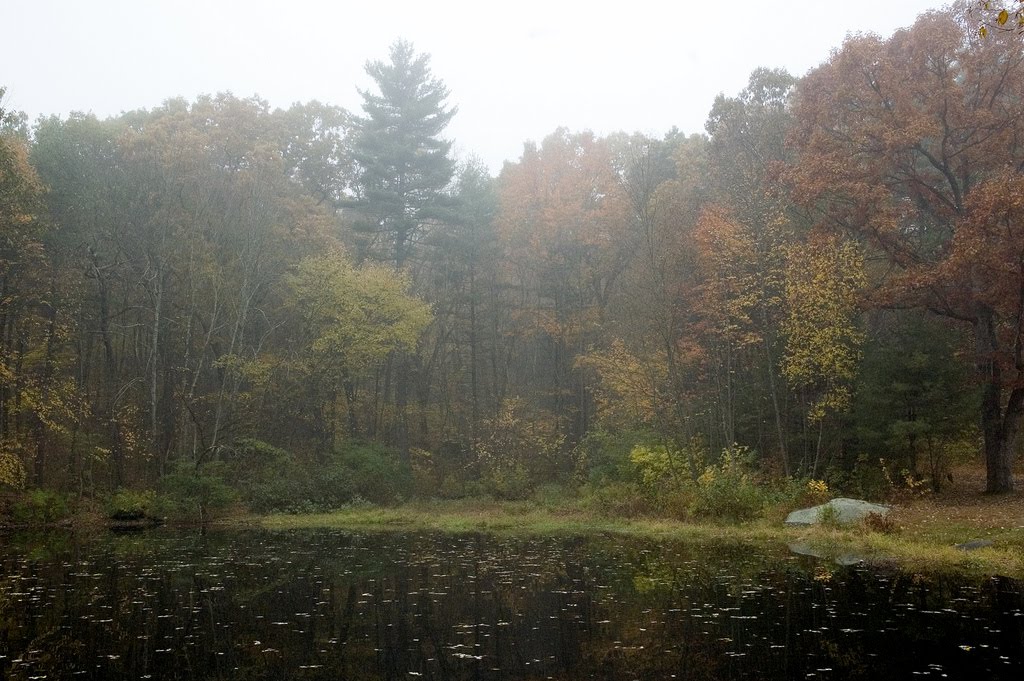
<point x="516" y="69"/>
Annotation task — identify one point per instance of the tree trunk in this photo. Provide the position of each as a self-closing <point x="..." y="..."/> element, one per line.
<point x="403" y="368"/>
<point x="47" y="380"/>
<point x="1000" y="427"/>
<point x="473" y="388"/>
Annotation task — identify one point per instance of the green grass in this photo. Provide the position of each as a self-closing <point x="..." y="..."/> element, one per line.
<point x="930" y="550"/>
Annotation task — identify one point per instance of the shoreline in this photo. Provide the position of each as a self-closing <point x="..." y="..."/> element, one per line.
<point x="922" y="536"/>
<point x="913" y="548"/>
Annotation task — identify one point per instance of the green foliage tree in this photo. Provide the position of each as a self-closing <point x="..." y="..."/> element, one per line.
<point x="913" y="401"/>
<point x="403" y="163"/>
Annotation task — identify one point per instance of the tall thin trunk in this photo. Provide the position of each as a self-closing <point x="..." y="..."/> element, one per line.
<point x="773" y="390"/>
<point x="473" y="389"/>
<point x="47" y="378"/>
<point x="1000" y="427"/>
<point x="154" y="363"/>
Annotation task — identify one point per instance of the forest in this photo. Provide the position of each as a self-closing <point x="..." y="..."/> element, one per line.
<point x="216" y="303"/>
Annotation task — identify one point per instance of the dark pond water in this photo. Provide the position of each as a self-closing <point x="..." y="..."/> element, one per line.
<point x="336" y="605"/>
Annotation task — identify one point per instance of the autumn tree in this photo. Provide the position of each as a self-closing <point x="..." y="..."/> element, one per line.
<point x="823" y="337"/>
<point x="662" y="180"/>
<point x="563" y="218"/>
<point x="998" y="16"/>
<point x="915" y="145"/>
<point x="176" y="226"/>
<point x="316" y="141"/>
<point x="740" y="244"/>
<point x="23" y="306"/>
<point x="345" y="321"/>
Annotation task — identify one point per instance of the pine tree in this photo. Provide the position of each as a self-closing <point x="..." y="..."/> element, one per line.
<point x="404" y="163"/>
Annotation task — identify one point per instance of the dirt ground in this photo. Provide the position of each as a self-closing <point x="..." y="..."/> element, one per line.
<point x="963" y="502"/>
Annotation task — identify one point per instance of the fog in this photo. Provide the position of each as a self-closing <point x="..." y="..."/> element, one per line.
<point x="516" y="70"/>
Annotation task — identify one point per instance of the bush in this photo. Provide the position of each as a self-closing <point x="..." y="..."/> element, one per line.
<point x="375" y="472"/>
<point x="876" y="522"/>
<point x="452" y="487"/>
<point x="728" y="491"/>
<point x="618" y="499"/>
<point x="197" y="492"/>
<point x="126" y="504"/>
<point x="39" y="507"/>
<point x="828" y="516"/>
<point x="519" y="449"/>
<point x="790" y="494"/>
<point x="867" y="479"/>
<point x="508" y="480"/>
<point x="552" y="495"/>
<point x="603" y="457"/>
<point x="356" y="472"/>
<point x="667" y="469"/>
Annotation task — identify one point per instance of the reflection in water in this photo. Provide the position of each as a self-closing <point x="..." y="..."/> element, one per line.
<point x="332" y="605"/>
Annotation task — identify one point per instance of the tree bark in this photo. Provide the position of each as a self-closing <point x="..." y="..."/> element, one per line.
<point x="1000" y="425"/>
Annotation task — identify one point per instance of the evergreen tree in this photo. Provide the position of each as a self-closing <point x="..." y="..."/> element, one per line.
<point x="403" y="162"/>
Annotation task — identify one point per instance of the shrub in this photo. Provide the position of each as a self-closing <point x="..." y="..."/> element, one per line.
<point x="452" y="487"/>
<point x="828" y="517"/>
<point x="552" y="495"/>
<point x="617" y="499"/>
<point x="424" y="472"/>
<point x="280" y="483"/>
<point x="519" y="449"/>
<point x="197" y="492"/>
<point x="665" y="468"/>
<point x="375" y="473"/>
<point x="126" y="504"/>
<point x="793" y="493"/>
<point x="867" y="480"/>
<point x="292" y="491"/>
<point x="727" y="490"/>
<point x="40" y="507"/>
<point x="508" y="480"/>
<point x="658" y="468"/>
<point x="603" y="457"/>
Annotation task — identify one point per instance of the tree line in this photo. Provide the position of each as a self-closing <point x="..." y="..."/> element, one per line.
<point x="829" y="279"/>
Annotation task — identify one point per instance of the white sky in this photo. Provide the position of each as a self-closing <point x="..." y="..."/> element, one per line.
<point x="516" y="70"/>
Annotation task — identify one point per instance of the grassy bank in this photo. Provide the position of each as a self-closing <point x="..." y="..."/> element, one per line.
<point x="922" y="536"/>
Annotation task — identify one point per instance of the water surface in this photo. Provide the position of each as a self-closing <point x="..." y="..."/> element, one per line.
<point x="338" y="605"/>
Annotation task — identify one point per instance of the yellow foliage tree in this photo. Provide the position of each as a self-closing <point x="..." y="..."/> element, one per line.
<point x="823" y="341"/>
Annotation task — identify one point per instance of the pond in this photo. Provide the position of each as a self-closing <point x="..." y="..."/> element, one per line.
<point x="339" y="605"/>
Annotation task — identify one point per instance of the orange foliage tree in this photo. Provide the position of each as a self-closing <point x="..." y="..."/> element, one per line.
<point x="916" y="145"/>
<point x="562" y="219"/>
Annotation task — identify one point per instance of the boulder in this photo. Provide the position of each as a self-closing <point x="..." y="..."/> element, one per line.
<point x="843" y="511"/>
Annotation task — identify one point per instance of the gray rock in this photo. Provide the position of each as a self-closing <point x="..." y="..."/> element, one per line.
<point x="843" y="511"/>
<point x="974" y="544"/>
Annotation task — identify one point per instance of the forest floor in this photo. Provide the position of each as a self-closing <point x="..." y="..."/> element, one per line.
<point x="961" y="512"/>
<point x="922" y="535"/>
